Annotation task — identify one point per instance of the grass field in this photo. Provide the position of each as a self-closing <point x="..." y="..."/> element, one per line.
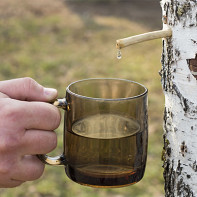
<point x="55" y="45"/>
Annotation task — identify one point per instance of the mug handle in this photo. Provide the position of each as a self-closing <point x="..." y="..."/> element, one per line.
<point x="58" y="160"/>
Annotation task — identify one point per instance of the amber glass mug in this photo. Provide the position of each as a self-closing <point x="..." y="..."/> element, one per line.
<point x="105" y="132"/>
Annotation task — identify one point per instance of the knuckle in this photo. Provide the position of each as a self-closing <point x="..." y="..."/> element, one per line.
<point x="11" y="114"/>
<point x="4" y="110"/>
<point x="9" y="143"/>
<point x="57" y="119"/>
<point x="28" y="80"/>
<point x="53" y="141"/>
<point x="3" y="104"/>
<point x="37" y="171"/>
<point x="6" y="165"/>
<point x="4" y="168"/>
<point x="10" y="111"/>
<point x="47" y="143"/>
<point x="29" y="84"/>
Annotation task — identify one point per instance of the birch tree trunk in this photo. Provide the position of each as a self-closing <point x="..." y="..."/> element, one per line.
<point x="179" y="81"/>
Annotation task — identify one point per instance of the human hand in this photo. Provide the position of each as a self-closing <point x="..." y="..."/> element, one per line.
<point x="26" y="129"/>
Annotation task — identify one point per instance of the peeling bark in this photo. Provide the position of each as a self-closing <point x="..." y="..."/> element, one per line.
<point x="179" y="82"/>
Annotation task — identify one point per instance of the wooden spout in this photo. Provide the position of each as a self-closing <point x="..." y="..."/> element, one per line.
<point x="121" y="43"/>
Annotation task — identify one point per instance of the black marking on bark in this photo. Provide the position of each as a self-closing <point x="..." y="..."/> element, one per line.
<point x="179" y="168"/>
<point x="188" y="176"/>
<point x="160" y="73"/>
<point x="169" y="176"/>
<point x="186" y="106"/>
<point x="191" y="25"/>
<point x="194" y="1"/>
<point x="179" y="11"/>
<point x="189" y="107"/>
<point x="189" y="78"/>
<point x="194" y="166"/>
<point x="183" y="189"/>
<point x="171" y="6"/>
<point x="182" y="9"/>
<point x="177" y="52"/>
<point x="163" y="64"/>
<point x="196" y="17"/>
<point x="166" y="62"/>
<point x="171" y="114"/>
<point x="172" y="180"/>
<point x="192" y="64"/>
<point x="183" y="148"/>
<point x="168" y="151"/>
<point x="182" y="99"/>
<point x="194" y="41"/>
<point x="167" y="120"/>
<point x="163" y="155"/>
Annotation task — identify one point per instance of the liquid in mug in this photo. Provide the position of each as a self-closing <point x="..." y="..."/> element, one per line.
<point x="106" y="150"/>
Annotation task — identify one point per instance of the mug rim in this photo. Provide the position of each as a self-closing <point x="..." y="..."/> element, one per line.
<point x="106" y="99"/>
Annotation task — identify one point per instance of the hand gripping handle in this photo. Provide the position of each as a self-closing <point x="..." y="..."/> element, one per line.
<point x="58" y="160"/>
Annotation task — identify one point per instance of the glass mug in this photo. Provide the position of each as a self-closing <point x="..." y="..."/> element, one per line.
<point x="105" y="132"/>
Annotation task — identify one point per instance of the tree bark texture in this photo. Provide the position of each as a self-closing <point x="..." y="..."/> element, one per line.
<point x="179" y="82"/>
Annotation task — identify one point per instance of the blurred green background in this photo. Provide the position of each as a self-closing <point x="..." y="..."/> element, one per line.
<point x="57" y="42"/>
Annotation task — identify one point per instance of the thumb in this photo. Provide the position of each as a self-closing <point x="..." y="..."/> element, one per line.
<point x="27" y="89"/>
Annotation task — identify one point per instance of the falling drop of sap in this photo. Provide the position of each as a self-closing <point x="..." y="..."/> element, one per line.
<point x="119" y="54"/>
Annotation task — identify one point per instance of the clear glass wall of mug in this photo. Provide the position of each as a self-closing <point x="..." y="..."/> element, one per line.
<point x="105" y="132"/>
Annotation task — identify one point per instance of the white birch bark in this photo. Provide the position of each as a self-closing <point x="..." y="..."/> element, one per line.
<point x="180" y="89"/>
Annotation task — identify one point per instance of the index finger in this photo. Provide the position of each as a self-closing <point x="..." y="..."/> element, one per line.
<point x="27" y="89"/>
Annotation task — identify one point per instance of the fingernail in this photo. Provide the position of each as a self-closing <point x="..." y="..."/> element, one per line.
<point x="51" y="93"/>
